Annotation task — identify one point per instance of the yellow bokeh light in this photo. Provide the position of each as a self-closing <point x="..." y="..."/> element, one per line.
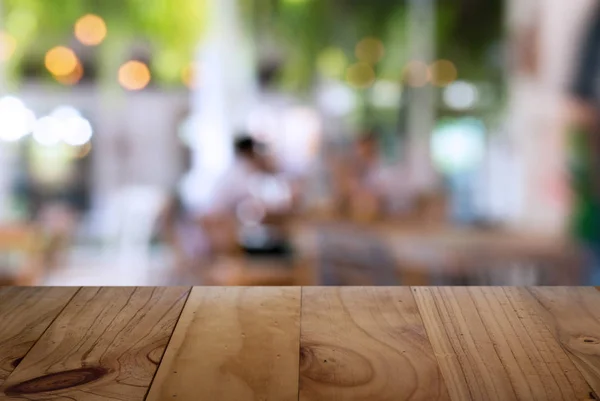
<point x="61" y="61"/>
<point x="443" y="72"/>
<point x="90" y="30"/>
<point x="416" y="74"/>
<point x="370" y="50"/>
<point x="73" y="78"/>
<point x="332" y="62"/>
<point x="360" y="75"/>
<point x="8" y="44"/>
<point x="134" y="75"/>
<point x="189" y="76"/>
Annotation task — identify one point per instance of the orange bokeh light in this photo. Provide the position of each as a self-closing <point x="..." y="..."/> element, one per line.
<point x="73" y="78"/>
<point x="189" y="76"/>
<point x="443" y="72"/>
<point x="134" y="75"/>
<point x="90" y="30"/>
<point x="8" y="45"/>
<point x="61" y="61"/>
<point x="416" y="74"/>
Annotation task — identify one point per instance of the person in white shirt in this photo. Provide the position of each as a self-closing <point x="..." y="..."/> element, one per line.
<point x="236" y="183"/>
<point x="249" y="202"/>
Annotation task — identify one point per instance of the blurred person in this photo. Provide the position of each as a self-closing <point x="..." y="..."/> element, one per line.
<point x="290" y="129"/>
<point x="376" y="189"/>
<point x="584" y="125"/>
<point x="251" y="204"/>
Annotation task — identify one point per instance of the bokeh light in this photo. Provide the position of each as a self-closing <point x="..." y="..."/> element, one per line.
<point x="360" y="75"/>
<point x="90" y="30"/>
<point x="8" y="44"/>
<point x="73" y="78"/>
<point x="416" y="74"/>
<point x="190" y="76"/>
<point x="442" y="72"/>
<point x="76" y="130"/>
<point x="386" y="94"/>
<point x="61" y="61"/>
<point x="461" y="95"/>
<point x="65" y="112"/>
<point x="16" y="120"/>
<point x="369" y="50"/>
<point x="47" y="131"/>
<point x="134" y="75"/>
<point x="458" y="145"/>
<point x="337" y="99"/>
<point x="65" y="124"/>
<point x="332" y="62"/>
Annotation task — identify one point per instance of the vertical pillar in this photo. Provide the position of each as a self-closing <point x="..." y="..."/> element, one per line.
<point x="223" y="98"/>
<point x="421" y="110"/>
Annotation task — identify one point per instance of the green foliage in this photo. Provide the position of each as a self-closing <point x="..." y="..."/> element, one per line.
<point x="305" y="29"/>
<point x="465" y="32"/>
<point x="173" y="27"/>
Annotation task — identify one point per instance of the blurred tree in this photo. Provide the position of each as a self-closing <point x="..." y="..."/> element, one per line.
<point x="172" y="27"/>
<point x="304" y="29"/>
<point x="469" y="32"/>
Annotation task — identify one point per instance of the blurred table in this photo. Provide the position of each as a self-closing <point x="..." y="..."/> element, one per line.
<point x="344" y="253"/>
<point x="307" y="343"/>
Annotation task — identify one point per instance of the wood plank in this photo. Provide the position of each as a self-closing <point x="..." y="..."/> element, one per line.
<point x="573" y="315"/>
<point x="25" y="312"/>
<point x="490" y="346"/>
<point x="233" y="343"/>
<point x="366" y="343"/>
<point x="105" y="345"/>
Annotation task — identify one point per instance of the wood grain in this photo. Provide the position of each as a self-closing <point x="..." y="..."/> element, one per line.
<point x="365" y="343"/>
<point x="25" y="312"/>
<point x="491" y="346"/>
<point x="233" y="343"/>
<point x="573" y="315"/>
<point x="105" y="345"/>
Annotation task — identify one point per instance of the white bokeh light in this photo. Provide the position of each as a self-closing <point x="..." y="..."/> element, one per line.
<point x="458" y="145"/>
<point x="65" y="124"/>
<point x="47" y="131"/>
<point x="65" y="112"/>
<point x="337" y="99"/>
<point x="461" y="95"/>
<point x="16" y="120"/>
<point x="386" y="94"/>
<point x="77" y="131"/>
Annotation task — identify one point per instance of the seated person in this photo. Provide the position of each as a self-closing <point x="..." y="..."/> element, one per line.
<point x="250" y="204"/>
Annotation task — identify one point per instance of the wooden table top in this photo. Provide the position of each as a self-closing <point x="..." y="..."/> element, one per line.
<point x="293" y="343"/>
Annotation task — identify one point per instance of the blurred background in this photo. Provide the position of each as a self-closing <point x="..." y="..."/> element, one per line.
<point x="327" y="142"/>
